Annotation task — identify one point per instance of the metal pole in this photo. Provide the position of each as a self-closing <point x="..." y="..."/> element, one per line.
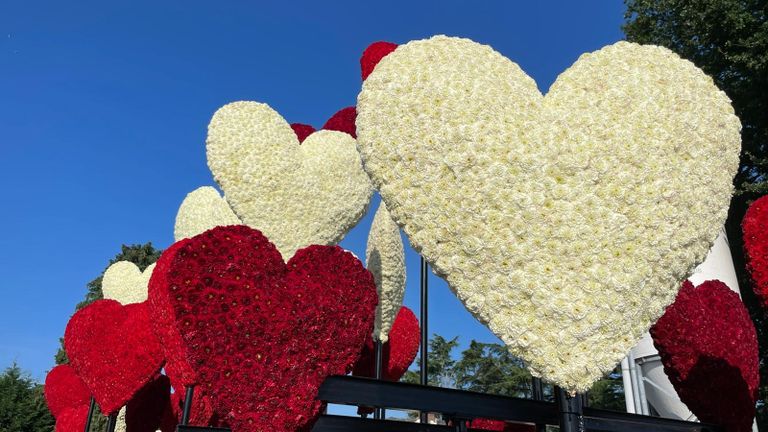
<point x="90" y="415"/>
<point x="629" y="394"/>
<point x="537" y="389"/>
<point x="378" y="354"/>
<point x="424" y="271"/>
<point x="112" y="423"/>
<point x="571" y="412"/>
<point x="187" y="405"/>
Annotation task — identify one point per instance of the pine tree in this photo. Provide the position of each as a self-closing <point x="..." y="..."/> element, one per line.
<point x="22" y="404"/>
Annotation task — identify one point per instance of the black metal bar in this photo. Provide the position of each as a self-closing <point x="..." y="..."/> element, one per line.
<point x="112" y="423"/>
<point x="351" y="390"/>
<point x="378" y="354"/>
<point x="90" y="415"/>
<point x="571" y="416"/>
<point x="331" y="423"/>
<point x="537" y="391"/>
<point x="187" y="405"/>
<point x="424" y="317"/>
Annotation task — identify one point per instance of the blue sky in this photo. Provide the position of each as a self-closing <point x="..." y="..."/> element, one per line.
<point x="104" y="108"/>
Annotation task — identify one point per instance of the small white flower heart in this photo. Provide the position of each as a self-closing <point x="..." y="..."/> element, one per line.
<point x="385" y="258"/>
<point x="564" y="222"/>
<point x="201" y="210"/>
<point x="297" y="194"/>
<point x="125" y="283"/>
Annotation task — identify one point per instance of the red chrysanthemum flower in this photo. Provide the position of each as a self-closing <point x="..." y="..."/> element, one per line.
<point x="397" y="354"/>
<point x="64" y="389"/>
<point x="708" y="345"/>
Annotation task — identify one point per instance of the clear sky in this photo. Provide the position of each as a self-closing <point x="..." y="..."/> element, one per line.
<point x="104" y="108"/>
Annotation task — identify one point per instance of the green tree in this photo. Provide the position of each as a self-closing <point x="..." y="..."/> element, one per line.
<point x="22" y="404"/>
<point x="490" y="368"/>
<point x="440" y="363"/>
<point x="728" y="39"/>
<point x="608" y="392"/>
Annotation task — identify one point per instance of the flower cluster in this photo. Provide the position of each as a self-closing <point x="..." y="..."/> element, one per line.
<point x="125" y="283"/>
<point x="708" y="345"/>
<point x="562" y="222"/>
<point x="201" y="413"/>
<point x="67" y="397"/>
<point x="755" y="229"/>
<point x="297" y="195"/>
<point x="113" y="350"/>
<point x="240" y="316"/>
<point x="385" y="259"/>
<point x="343" y="121"/>
<point x="397" y="353"/>
<point x="201" y="210"/>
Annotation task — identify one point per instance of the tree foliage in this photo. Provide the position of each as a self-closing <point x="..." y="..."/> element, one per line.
<point x="22" y="404"/>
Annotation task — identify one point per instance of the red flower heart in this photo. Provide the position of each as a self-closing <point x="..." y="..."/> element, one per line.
<point x="201" y="413"/>
<point x="397" y="354"/>
<point x="72" y="419"/>
<point x="343" y="121"/>
<point x="144" y="413"/>
<point x="373" y="55"/>
<point x="498" y="425"/>
<point x="64" y="390"/>
<point x="755" y="228"/>
<point x="113" y="350"/>
<point x="302" y="130"/>
<point x="708" y="346"/>
<point x="259" y="335"/>
<point x="67" y="397"/>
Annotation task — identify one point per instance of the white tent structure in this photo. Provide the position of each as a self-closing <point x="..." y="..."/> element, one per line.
<point x="647" y="389"/>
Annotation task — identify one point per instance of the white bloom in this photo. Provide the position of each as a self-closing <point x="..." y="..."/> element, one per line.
<point x="385" y="258"/>
<point x="604" y="194"/>
<point x="201" y="210"/>
<point x="125" y="283"/>
<point x="296" y="194"/>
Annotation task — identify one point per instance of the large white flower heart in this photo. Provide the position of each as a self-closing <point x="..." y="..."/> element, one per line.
<point x="385" y="259"/>
<point x="565" y="223"/>
<point x="125" y="283"/>
<point x="296" y="194"/>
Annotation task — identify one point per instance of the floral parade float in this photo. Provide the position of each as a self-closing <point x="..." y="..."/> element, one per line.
<point x="561" y="221"/>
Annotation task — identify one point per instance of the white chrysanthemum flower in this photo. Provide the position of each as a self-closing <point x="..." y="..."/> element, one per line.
<point x="385" y="258"/>
<point x="201" y="210"/>
<point x="120" y="425"/>
<point x="125" y="283"/>
<point x="565" y="223"/>
<point x="296" y="194"/>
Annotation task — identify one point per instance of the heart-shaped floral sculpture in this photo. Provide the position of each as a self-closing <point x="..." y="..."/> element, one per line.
<point x="113" y="350"/>
<point x="201" y="210"/>
<point x="755" y="229"/>
<point x="125" y="283"/>
<point x="260" y="335"/>
<point x="397" y="353"/>
<point x="385" y="258"/>
<point x="563" y="222"/>
<point x="708" y="345"/>
<point x="297" y="194"/>
<point x="67" y="397"/>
